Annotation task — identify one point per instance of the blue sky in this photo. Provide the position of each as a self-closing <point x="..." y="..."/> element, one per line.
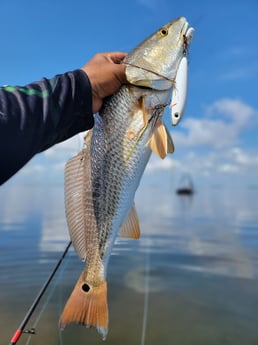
<point x="217" y="140"/>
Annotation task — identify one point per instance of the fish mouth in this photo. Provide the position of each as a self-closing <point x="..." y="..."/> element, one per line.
<point x="185" y="27"/>
<point x="187" y="35"/>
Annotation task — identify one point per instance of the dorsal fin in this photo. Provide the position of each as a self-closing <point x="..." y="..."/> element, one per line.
<point x="87" y="137"/>
<point x="78" y="188"/>
<point x="158" y="141"/>
<point x="131" y="227"/>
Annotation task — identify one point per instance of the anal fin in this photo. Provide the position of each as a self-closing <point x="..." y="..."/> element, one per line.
<point x="131" y="227"/>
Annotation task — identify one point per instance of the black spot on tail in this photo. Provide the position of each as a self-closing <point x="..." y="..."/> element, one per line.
<point x="85" y="287"/>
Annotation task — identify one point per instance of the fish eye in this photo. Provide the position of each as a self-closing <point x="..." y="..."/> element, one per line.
<point x="163" y="32"/>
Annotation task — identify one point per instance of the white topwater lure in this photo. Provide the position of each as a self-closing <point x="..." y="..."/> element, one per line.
<point x="179" y="93"/>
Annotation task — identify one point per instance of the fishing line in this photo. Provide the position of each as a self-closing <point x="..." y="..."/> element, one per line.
<point x="148" y="70"/>
<point x="61" y="304"/>
<point x="50" y="294"/>
<point x="27" y="317"/>
<point x="146" y="296"/>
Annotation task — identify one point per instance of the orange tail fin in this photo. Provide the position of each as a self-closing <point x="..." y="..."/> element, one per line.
<point x="87" y="305"/>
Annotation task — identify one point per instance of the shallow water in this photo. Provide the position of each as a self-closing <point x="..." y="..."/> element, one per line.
<point x="192" y="278"/>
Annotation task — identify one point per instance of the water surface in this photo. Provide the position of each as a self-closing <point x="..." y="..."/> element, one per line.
<point x="192" y="278"/>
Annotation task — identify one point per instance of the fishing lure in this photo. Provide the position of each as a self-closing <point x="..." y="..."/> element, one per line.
<point x="179" y="93"/>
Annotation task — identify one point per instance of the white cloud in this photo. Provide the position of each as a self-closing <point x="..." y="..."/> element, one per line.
<point x="66" y="149"/>
<point x="49" y="165"/>
<point x="207" y="147"/>
<point x="225" y="119"/>
<point x="228" y="168"/>
<point x="156" y="163"/>
<point x="206" y="133"/>
<point x="240" y="113"/>
<point x="249" y="160"/>
<point x="33" y="169"/>
<point x="226" y="165"/>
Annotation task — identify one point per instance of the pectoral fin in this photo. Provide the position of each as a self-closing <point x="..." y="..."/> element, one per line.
<point x="170" y="144"/>
<point x="131" y="227"/>
<point x="158" y="141"/>
<point x="134" y="132"/>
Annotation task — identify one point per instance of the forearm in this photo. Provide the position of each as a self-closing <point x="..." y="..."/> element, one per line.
<point x="39" y="115"/>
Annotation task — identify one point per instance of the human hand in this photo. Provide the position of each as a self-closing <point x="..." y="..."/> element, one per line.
<point x="106" y="75"/>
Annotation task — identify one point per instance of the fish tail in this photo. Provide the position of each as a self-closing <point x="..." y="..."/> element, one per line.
<point x="87" y="306"/>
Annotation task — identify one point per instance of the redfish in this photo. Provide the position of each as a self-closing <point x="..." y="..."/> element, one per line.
<point x="101" y="181"/>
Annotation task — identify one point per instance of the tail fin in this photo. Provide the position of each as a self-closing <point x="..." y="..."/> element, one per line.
<point x="87" y="306"/>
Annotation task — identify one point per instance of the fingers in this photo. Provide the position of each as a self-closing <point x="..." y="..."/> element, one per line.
<point x="106" y="73"/>
<point x="116" y="57"/>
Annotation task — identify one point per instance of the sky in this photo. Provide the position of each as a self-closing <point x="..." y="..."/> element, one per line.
<point x="216" y="142"/>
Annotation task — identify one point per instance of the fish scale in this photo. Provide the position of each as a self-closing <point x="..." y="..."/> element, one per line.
<point x="101" y="181"/>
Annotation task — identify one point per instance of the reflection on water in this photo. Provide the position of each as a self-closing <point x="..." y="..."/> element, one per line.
<point x="191" y="278"/>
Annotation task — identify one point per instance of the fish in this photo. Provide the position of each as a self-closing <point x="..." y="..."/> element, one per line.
<point x="102" y="179"/>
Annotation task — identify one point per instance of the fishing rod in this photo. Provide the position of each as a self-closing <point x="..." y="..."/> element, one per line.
<point x="27" y="317"/>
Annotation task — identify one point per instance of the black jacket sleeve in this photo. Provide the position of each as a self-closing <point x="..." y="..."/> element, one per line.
<point x="41" y="114"/>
